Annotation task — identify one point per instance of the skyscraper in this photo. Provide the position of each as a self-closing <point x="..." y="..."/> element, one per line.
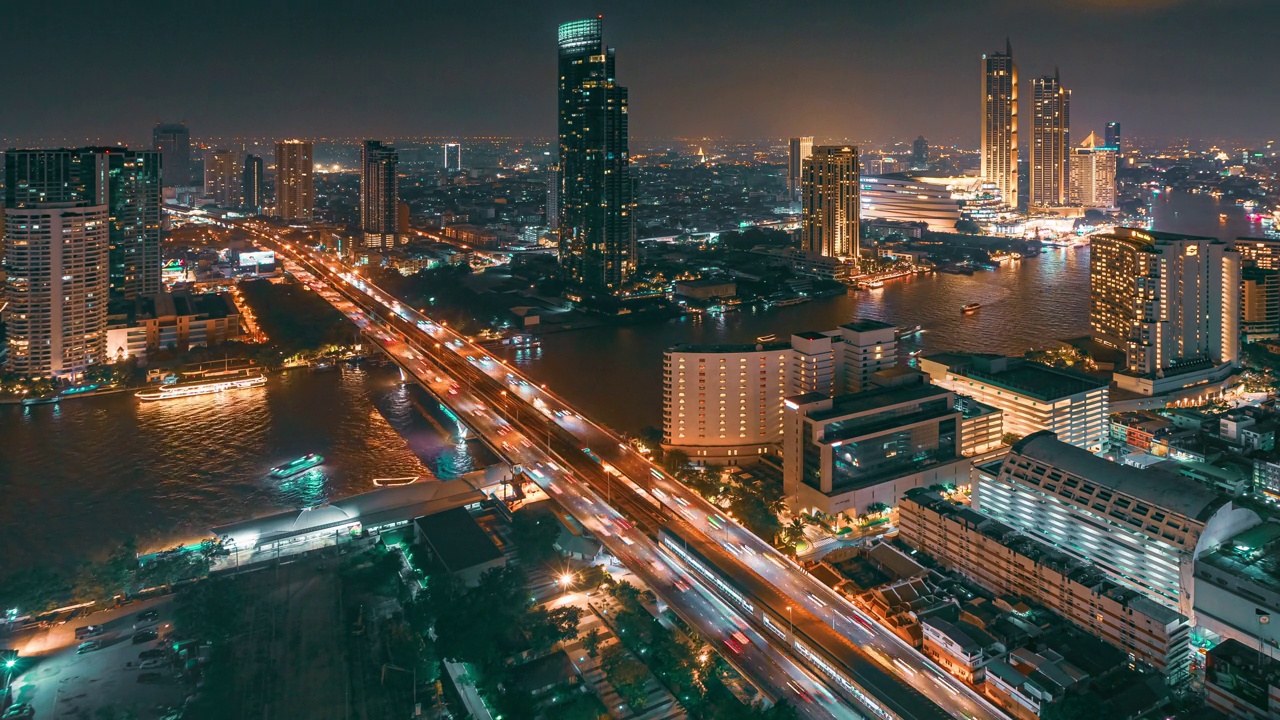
<point x="1050" y="139"/>
<point x="553" y="197"/>
<point x="222" y="176"/>
<point x="1113" y="137"/>
<point x="56" y="254"/>
<point x="295" y="189"/>
<point x="173" y="141"/>
<point x="1000" y="123"/>
<point x="801" y="149"/>
<point x="597" y="202"/>
<point x="920" y="152"/>
<point x="830" y="221"/>
<point x="379" y="196"/>
<point x="1164" y="299"/>
<point x="1093" y="174"/>
<point x="252" y="183"/>
<point x="452" y="156"/>
<point x="126" y="182"/>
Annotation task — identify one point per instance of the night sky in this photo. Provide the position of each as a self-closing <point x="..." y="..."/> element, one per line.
<point x="862" y="69"/>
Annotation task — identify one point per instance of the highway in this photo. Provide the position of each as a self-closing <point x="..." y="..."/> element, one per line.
<point x="906" y="683"/>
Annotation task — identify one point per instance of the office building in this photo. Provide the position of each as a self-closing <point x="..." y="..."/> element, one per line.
<point x="1259" y="252"/>
<point x="251" y="184"/>
<point x="1112" y="135"/>
<point x="1171" y="302"/>
<point x="295" y="188"/>
<point x="1260" y="304"/>
<point x="1031" y="396"/>
<point x="903" y="198"/>
<point x="173" y="142"/>
<point x="920" y="153"/>
<point x="223" y="173"/>
<point x="800" y="148"/>
<point x="1093" y="174"/>
<point x="452" y="156"/>
<point x="57" y="261"/>
<point x="830" y="207"/>
<point x="597" y="199"/>
<point x="852" y="452"/>
<point x="379" y="195"/>
<point x="1142" y="527"/>
<point x="165" y="320"/>
<point x="1009" y="562"/>
<point x="553" y="197"/>
<point x="999" y="162"/>
<point x="1050" y="140"/>
<point x="127" y="182"/>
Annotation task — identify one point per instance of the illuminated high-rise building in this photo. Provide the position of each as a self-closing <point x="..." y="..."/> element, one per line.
<point x="597" y="199"/>
<point x="1000" y="123"/>
<point x="173" y="142"/>
<point x="251" y="183"/>
<point x="1093" y="174"/>
<point x="829" y="223"/>
<point x="452" y="156"/>
<point x="222" y="176"/>
<point x="295" y="187"/>
<point x="1050" y="139"/>
<point x="379" y="196"/>
<point x="1113" y="136"/>
<point x="553" y="197"/>
<point x="800" y="150"/>
<point x="1166" y="300"/>
<point x="920" y="153"/>
<point x="126" y="182"/>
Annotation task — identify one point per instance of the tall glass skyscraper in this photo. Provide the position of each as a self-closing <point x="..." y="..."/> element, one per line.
<point x="379" y="196"/>
<point x="1000" y="123"/>
<point x="597" y="199"/>
<point x="173" y="142"/>
<point x="253" y="183"/>
<point x="1050" y="141"/>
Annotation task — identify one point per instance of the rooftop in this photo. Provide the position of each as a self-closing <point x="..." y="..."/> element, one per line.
<point x="457" y="539"/>
<point x="867" y="325"/>
<point x="867" y="400"/>
<point x="1032" y="379"/>
<point x="740" y="348"/>
<point x="1158" y="487"/>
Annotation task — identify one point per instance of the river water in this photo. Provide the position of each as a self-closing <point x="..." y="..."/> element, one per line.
<point x="77" y="477"/>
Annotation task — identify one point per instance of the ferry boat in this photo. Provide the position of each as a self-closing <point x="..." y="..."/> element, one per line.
<point x="200" y="387"/>
<point x="41" y="400"/>
<point x="306" y="462"/>
<point x="788" y="302"/>
<point x="909" y="330"/>
<point x="767" y="338"/>
<point x="970" y="308"/>
<point x="395" y="482"/>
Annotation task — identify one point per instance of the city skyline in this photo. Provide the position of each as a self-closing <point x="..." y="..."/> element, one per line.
<point x="669" y="101"/>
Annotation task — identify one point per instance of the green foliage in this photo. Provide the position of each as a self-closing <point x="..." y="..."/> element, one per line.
<point x="1010" y="438"/>
<point x="478" y="625"/>
<point x="535" y="534"/>
<point x="627" y="675"/>
<point x="675" y="461"/>
<point x="968" y="227"/>
<point x="33" y="590"/>
<point x="208" y="609"/>
<point x="545" y="627"/>
<point x="591" y="641"/>
<point x="295" y="319"/>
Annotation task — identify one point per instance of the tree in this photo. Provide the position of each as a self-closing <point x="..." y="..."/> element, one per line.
<point x="32" y="590"/>
<point x="535" y="534"/>
<point x="548" y="627"/>
<point x="627" y="675"/>
<point x="591" y="641"/>
<point x="1010" y="438"/>
<point x="209" y="609"/>
<point x="675" y="460"/>
<point x="968" y="227"/>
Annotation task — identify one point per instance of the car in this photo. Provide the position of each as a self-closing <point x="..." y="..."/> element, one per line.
<point x="88" y="646"/>
<point x="741" y="638"/>
<point x="153" y="663"/>
<point x="733" y="645"/>
<point x="152" y="653"/>
<point x="144" y="636"/>
<point x="148" y="616"/>
<point x="89" y="631"/>
<point x="151" y="677"/>
<point x="19" y="710"/>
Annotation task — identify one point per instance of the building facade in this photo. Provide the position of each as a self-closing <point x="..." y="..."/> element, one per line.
<point x="223" y="173"/>
<point x="1142" y="527"/>
<point x="1112" y="135"/>
<point x="1259" y="252"/>
<point x="829" y="224"/>
<point x="452" y="156"/>
<point x="295" y="186"/>
<point x="1009" y="562"/>
<point x="1031" y="396"/>
<point x="999" y="164"/>
<point x="1050" y="139"/>
<point x="553" y="197"/>
<point x="799" y="150"/>
<point x="379" y="195"/>
<point x="173" y="142"/>
<point x="57" y="261"/>
<point x="1093" y="174"/>
<point x="920" y="153"/>
<point x="1260" y="304"/>
<point x="251" y="183"/>
<point x="902" y="198"/>
<point x="1165" y="299"/>
<point x="597" y="196"/>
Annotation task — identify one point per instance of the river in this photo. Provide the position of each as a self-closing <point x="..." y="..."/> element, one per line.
<point x="78" y="477"/>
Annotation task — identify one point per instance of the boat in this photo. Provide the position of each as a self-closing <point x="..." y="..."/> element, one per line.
<point x="767" y="338"/>
<point x="970" y="308"/>
<point x="909" y="330"/>
<point x="41" y="400"/>
<point x="306" y="462"/>
<point x="790" y="301"/>
<point x="395" y="482"/>
<point x="200" y="387"/>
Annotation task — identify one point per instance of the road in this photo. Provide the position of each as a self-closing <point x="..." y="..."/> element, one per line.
<point x="640" y="486"/>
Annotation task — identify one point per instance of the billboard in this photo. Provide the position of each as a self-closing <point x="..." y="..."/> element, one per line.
<point x="257" y="261"/>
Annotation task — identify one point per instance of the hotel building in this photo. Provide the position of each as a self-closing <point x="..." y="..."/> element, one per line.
<point x="1000" y="123"/>
<point x="829" y="223"/>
